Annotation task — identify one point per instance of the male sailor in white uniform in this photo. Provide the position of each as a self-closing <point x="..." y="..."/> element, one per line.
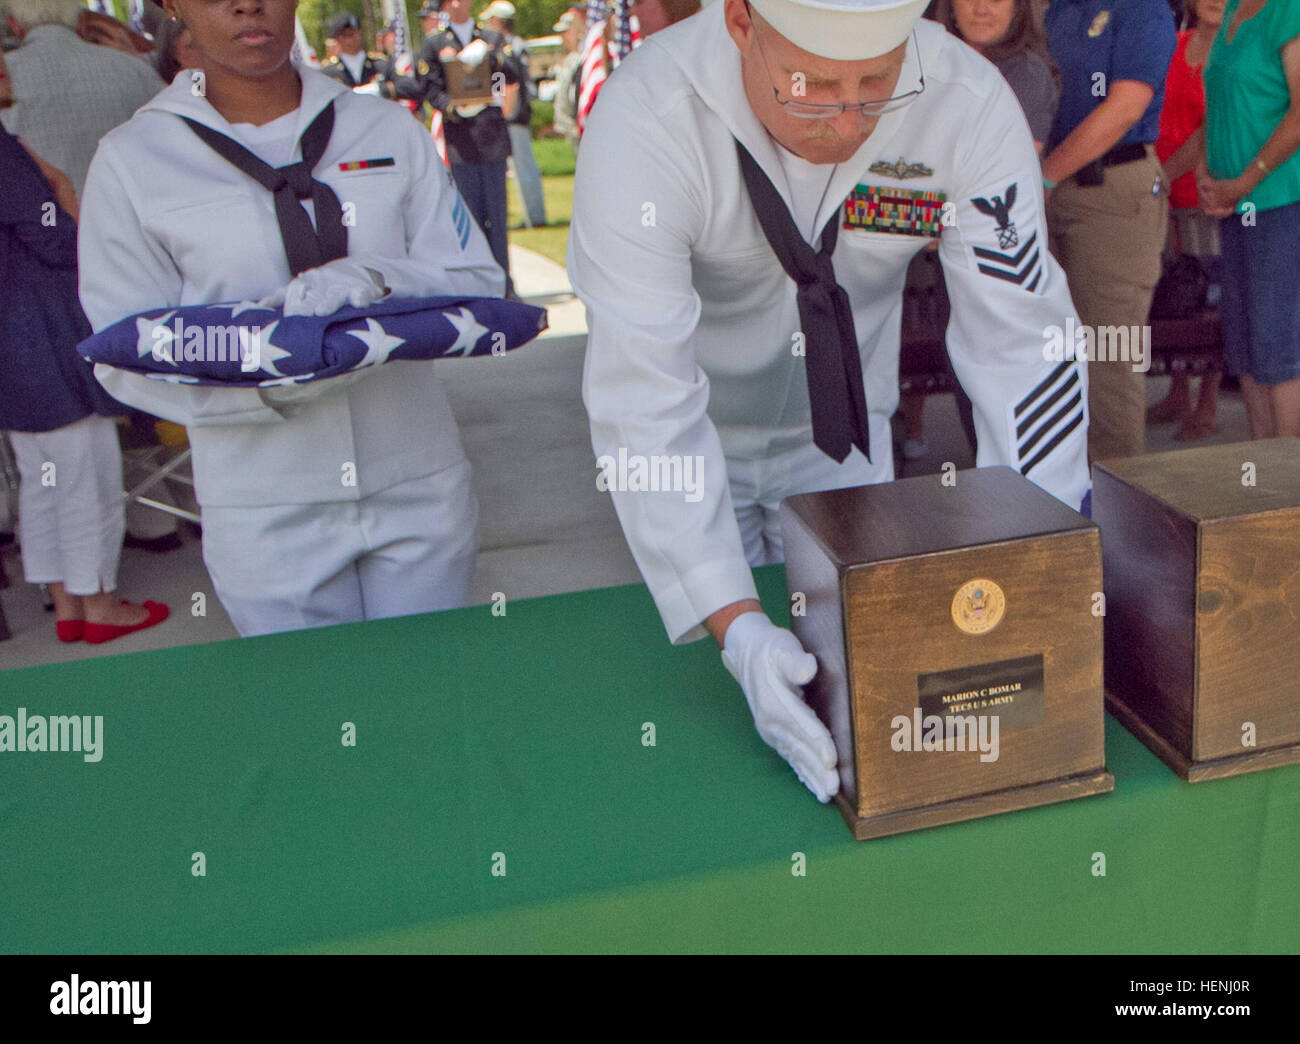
<point x="753" y="184"/>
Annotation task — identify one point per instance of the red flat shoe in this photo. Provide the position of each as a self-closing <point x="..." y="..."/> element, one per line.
<point x="69" y="630"/>
<point x="97" y="632"/>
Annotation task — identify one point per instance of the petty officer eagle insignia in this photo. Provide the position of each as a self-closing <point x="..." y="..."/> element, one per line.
<point x="1024" y="267"/>
<point x="1000" y="211"/>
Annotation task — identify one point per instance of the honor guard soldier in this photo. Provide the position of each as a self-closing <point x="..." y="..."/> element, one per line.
<point x="478" y="141"/>
<point x="386" y="63"/>
<point x="352" y="66"/>
<point x="393" y="72"/>
<point x="752" y="187"/>
<point x="499" y="16"/>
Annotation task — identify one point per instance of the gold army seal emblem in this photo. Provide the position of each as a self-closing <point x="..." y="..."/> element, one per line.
<point x="978" y="605"/>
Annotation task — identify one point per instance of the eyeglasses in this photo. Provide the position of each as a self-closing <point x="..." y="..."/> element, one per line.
<point x="815" y="111"/>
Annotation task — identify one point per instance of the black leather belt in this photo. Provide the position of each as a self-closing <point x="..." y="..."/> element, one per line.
<point x="1124" y="154"/>
<point x="1095" y="172"/>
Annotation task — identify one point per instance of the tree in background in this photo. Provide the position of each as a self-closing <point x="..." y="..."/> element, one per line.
<point x="537" y="17"/>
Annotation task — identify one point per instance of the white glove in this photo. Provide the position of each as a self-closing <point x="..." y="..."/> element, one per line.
<point x="474" y="54"/>
<point x="770" y="665"/>
<point x="324" y="290"/>
<point x="371" y="88"/>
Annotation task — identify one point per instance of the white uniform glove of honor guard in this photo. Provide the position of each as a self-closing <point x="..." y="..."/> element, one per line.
<point x="472" y="55"/>
<point x="324" y="290"/>
<point x="771" y="665"/>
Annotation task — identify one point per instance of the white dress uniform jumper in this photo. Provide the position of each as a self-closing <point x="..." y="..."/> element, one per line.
<point x="340" y="500"/>
<point x="697" y="346"/>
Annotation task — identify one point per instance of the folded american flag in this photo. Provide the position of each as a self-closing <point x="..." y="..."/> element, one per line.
<point x="250" y="346"/>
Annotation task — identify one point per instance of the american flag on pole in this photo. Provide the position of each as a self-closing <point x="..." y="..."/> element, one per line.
<point x="439" y="137"/>
<point x="394" y="12"/>
<point x="595" y="52"/>
<point x="623" y="29"/>
<point x="395" y="16"/>
<point x="302" y="51"/>
<point x="592" y="76"/>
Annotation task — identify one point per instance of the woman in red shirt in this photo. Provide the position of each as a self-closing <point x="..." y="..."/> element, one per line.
<point x="1194" y="233"/>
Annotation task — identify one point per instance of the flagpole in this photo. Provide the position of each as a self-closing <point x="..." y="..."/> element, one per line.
<point x="302" y="50"/>
<point x="394" y="12"/>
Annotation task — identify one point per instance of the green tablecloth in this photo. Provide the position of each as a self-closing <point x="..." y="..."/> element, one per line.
<point x="522" y="735"/>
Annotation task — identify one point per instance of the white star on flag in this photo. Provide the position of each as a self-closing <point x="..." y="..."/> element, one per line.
<point x="147" y="338"/>
<point x="468" y="329"/>
<point x="270" y="353"/>
<point x="379" y="343"/>
<point x="240" y="307"/>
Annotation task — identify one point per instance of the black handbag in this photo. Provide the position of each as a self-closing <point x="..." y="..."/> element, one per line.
<point x="1181" y="292"/>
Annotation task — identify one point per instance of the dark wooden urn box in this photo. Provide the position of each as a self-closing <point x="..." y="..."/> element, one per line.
<point x="1202" y="566"/>
<point x="945" y="618"/>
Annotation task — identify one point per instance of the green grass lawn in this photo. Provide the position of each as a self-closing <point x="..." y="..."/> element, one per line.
<point x="554" y="155"/>
<point x="556" y="160"/>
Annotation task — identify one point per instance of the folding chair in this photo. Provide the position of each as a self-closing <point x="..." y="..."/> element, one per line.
<point x="163" y="470"/>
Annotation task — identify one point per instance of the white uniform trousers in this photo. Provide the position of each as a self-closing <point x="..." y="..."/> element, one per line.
<point x="71" y="512"/>
<point x="410" y="548"/>
<point x="759" y="485"/>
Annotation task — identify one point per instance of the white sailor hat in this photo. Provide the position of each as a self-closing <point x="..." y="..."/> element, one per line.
<point x="842" y="30"/>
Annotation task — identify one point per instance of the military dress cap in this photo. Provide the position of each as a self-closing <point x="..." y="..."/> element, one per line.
<point x="498" y="9"/>
<point x="341" y="22"/>
<point x="565" y="23"/>
<point x="842" y="30"/>
<point x="429" y="9"/>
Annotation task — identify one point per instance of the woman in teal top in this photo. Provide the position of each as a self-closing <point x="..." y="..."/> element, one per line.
<point x="1249" y="175"/>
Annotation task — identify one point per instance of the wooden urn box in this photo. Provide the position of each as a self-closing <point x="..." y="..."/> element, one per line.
<point x="959" y="657"/>
<point x="1202" y="565"/>
<point x="468" y="87"/>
